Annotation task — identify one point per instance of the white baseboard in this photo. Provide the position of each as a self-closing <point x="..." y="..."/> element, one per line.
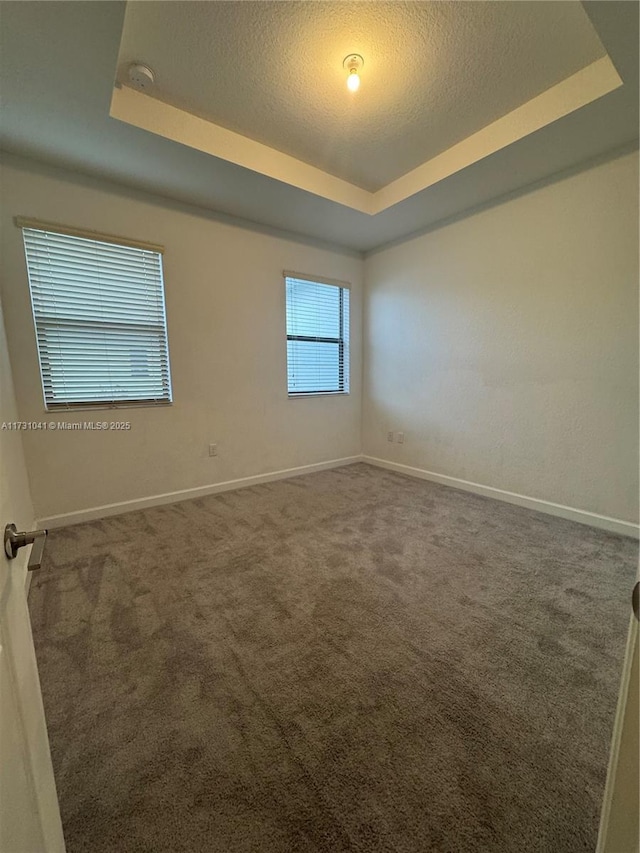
<point x="92" y="513"/>
<point x="613" y="525"/>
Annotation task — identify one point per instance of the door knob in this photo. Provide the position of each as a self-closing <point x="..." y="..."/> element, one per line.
<point x="14" y="540"/>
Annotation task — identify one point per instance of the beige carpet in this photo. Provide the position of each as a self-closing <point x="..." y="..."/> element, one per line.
<point x="347" y="661"/>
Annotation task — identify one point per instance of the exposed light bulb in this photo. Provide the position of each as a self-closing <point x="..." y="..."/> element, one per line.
<point x="353" y="80"/>
<point x="353" y="63"/>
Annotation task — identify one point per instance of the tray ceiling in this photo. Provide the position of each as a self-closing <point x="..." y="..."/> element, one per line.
<point x="434" y="72"/>
<point x="358" y="173"/>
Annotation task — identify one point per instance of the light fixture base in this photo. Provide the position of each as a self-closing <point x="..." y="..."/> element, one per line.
<point x="353" y="62"/>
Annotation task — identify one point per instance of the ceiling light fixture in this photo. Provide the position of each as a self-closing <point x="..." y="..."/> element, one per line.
<point x="353" y="63"/>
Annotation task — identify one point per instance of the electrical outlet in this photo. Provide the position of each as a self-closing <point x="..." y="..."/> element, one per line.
<point x="400" y="438"/>
<point x="213" y="450"/>
<point x="390" y="436"/>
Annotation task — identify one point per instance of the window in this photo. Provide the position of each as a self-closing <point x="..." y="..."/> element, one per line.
<point x="98" y="308"/>
<point x="317" y="336"/>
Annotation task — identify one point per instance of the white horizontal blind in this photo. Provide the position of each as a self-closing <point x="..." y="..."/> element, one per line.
<point x="100" y="321"/>
<point x="317" y="337"/>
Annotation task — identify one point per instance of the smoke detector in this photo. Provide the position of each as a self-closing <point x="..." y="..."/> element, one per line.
<point x="140" y="76"/>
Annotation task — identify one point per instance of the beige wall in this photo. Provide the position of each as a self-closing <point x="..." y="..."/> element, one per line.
<point x="226" y="322"/>
<point x="505" y="345"/>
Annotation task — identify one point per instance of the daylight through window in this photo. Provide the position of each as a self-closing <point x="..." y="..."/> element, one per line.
<point x="317" y="337"/>
<point x="100" y="322"/>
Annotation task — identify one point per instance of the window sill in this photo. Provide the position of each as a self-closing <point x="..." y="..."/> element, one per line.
<point x="318" y="394"/>
<point x="97" y="407"/>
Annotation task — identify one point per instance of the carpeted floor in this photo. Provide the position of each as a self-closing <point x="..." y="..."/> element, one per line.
<point x="346" y="661"/>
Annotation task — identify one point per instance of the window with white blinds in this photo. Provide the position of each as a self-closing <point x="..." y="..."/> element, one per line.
<point x="100" y="320"/>
<point x="317" y="337"/>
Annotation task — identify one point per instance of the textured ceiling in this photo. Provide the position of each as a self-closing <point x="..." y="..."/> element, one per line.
<point x="434" y="73"/>
<point x="57" y="66"/>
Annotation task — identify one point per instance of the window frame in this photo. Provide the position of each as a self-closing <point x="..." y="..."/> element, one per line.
<point x="41" y="321"/>
<point x="342" y="341"/>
